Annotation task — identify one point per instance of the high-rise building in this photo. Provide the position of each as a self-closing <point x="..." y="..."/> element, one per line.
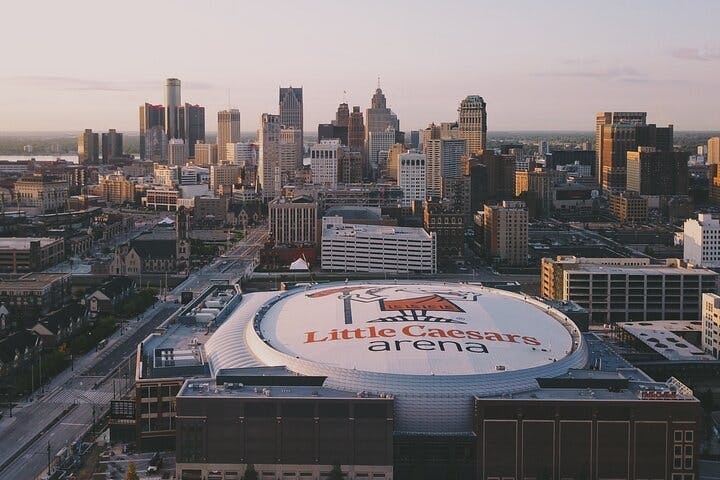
<point x="228" y="130"/>
<point x="410" y="174"/>
<point x="88" y="146"/>
<point x="192" y="126"/>
<point x="713" y="151"/>
<point x="378" y="118"/>
<point x="444" y="162"/>
<point x="241" y="153"/>
<point x="701" y="240"/>
<point x="449" y="228"/>
<point x="224" y="176"/>
<point x="293" y="221"/>
<point x="328" y="131"/>
<point x="268" y="172"/>
<point x="379" y="142"/>
<point x="342" y="117"/>
<point x="653" y="172"/>
<point x="206" y="154"/>
<point x="393" y="159"/>
<point x="290" y="153"/>
<point x="291" y="109"/>
<point x="472" y="123"/>
<point x="356" y="130"/>
<point x="350" y="167"/>
<point x="117" y="189"/>
<point x="112" y="145"/>
<point x="156" y="144"/>
<point x="172" y="108"/>
<point x="177" y="152"/>
<point x="324" y="162"/>
<point x="150" y="116"/>
<point x="604" y="119"/>
<point x="505" y="229"/>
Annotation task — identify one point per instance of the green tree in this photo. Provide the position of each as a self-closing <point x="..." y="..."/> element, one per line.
<point x="250" y="472"/>
<point x="336" y="473"/>
<point x="131" y="472"/>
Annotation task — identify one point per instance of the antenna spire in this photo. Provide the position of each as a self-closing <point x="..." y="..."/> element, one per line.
<point x="378" y="81"/>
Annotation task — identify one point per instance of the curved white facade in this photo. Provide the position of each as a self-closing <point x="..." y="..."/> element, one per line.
<point x="433" y="346"/>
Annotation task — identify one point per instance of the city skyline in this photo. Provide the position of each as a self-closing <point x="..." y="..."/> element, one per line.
<point x="538" y="68"/>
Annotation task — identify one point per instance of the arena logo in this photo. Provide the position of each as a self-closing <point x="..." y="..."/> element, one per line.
<point x="413" y="336"/>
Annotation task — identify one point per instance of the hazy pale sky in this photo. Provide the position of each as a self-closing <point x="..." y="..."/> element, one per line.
<point x="540" y="65"/>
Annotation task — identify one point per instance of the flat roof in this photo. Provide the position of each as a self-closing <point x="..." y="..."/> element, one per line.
<point x="638" y="270"/>
<point x="660" y="336"/>
<point x="23" y="243"/>
<point x="356" y="230"/>
<point x="410" y="329"/>
<point x="32" y="281"/>
<point x="207" y="387"/>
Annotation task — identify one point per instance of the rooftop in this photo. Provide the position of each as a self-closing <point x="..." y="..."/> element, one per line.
<point x="207" y="387"/>
<point x="23" y="243"/>
<point x="33" y="281"/>
<point x="661" y="337"/>
<point x="331" y="230"/>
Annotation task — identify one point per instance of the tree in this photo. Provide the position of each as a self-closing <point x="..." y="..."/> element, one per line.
<point x="250" y="472"/>
<point x="131" y="472"/>
<point x="336" y="473"/>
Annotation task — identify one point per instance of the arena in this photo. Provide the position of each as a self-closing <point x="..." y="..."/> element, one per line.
<point x="431" y="346"/>
<point x="404" y="380"/>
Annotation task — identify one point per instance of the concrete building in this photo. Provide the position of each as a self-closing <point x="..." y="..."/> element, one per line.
<point x="30" y="254"/>
<point x="628" y="207"/>
<point x="177" y="152"/>
<point x="161" y="198"/>
<point x="379" y="141"/>
<point x="241" y="153"/>
<point x="376" y="248"/>
<point x="290" y="109"/>
<point x="393" y="161"/>
<point x="711" y="324"/>
<point x="224" y="176"/>
<point x="411" y="177"/>
<point x="448" y="226"/>
<point x="165" y="175"/>
<point x="657" y="173"/>
<point x="39" y="293"/>
<point x="356" y="130"/>
<point x="378" y="118"/>
<point x="701" y="241"/>
<point x="324" y="159"/>
<point x="150" y="116"/>
<point x="116" y="189"/>
<point x="505" y="228"/>
<point x="605" y="119"/>
<point x="472" y="123"/>
<point x="713" y="151"/>
<point x="350" y="167"/>
<point x="268" y="172"/>
<point x="112" y="146"/>
<point x="290" y="153"/>
<point x="622" y="290"/>
<point x="228" y="130"/>
<point x="206" y="154"/>
<point x="43" y="194"/>
<point x="88" y="147"/>
<point x="293" y="221"/>
<point x="541" y="189"/>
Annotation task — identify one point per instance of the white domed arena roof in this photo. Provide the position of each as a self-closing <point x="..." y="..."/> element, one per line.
<point x="433" y="346"/>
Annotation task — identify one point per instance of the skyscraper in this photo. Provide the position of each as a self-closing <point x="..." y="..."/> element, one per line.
<point x="379" y="142"/>
<point x="291" y="108"/>
<point x="112" y="145"/>
<point x="150" y="116"/>
<point x="88" y="145"/>
<point x="156" y="144"/>
<point x="653" y="172"/>
<point x="603" y="119"/>
<point x="378" y="117"/>
<point x="172" y="107"/>
<point x="289" y="153"/>
<point x="228" y="130"/>
<point x="177" y="152"/>
<point x="342" y="117"/>
<point x="713" y="151"/>
<point x="192" y="126"/>
<point x="356" y="130"/>
<point x="472" y="123"/>
<point x="268" y="155"/>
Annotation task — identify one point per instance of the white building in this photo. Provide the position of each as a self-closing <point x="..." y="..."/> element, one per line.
<point x="165" y="175"/>
<point x="701" y="240"/>
<point x="411" y="177"/>
<point x="711" y="323"/>
<point x="241" y="153"/>
<point x="177" y="153"/>
<point x="376" y="248"/>
<point x="194" y="175"/>
<point x="324" y="162"/>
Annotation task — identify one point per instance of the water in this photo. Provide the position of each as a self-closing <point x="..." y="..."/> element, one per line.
<point x="39" y="158"/>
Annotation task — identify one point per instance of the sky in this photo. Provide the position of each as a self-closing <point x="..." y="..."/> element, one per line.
<point x="540" y="65"/>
